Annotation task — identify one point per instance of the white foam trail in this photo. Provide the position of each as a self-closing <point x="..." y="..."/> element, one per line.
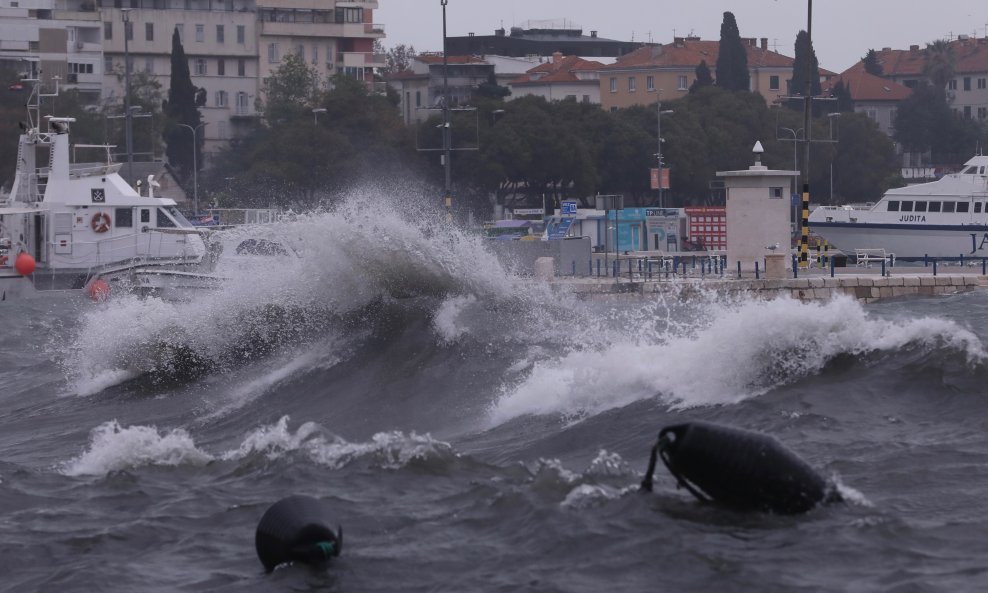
<point x="115" y="448"/>
<point x="731" y="352"/>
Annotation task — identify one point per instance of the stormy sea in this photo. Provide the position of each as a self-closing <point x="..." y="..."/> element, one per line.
<point x="474" y="431"/>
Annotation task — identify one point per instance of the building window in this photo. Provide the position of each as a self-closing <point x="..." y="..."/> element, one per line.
<point x="108" y="30"/>
<point x="631" y="84"/>
<point x="967" y="112"/>
<point x="220" y="34"/>
<point x="773" y="83"/>
<point x="241" y="34"/>
<point x="586" y="98"/>
<point x="241" y="103"/>
<point x="967" y="83"/>
<point x="981" y="83"/>
<point x="221" y="130"/>
<point x="149" y="31"/>
<point x="982" y="112"/>
<point x="613" y="84"/>
<point x="241" y="67"/>
<point x="349" y="15"/>
<point x="222" y="99"/>
<point x="273" y="57"/>
<point x="650" y="83"/>
<point x="200" y="67"/>
<point x="220" y="67"/>
<point x="952" y="85"/>
<point x="149" y="65"/>
<point x="681" y="82"/>
<point x="107" y="64"/>
<point x="418" y="98"/>
<point x="200" y="33"/>
<point x="300" y="51"/>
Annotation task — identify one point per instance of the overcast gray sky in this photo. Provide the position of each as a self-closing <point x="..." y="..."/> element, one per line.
<point x="843" y="30"/>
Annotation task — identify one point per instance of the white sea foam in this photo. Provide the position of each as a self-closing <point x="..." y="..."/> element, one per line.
<point x="114" y="448"/>
<point x="345" y="260"/>
<point x="727" y="353"/>
<point x="446" y="320"/>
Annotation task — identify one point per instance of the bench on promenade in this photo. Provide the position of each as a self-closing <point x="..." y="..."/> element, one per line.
<point x="865" y="257"/>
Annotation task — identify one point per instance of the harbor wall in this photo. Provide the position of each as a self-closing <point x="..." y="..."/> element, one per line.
<point x="865" y="288"/>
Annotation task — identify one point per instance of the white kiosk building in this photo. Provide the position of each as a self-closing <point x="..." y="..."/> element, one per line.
<point x="758" y="217"/>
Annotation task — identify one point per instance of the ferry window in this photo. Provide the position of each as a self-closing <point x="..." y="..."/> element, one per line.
<point x="977" y="207"/>
<point x="145" y="215"/>
<point x="163" y="221"/>
<point x="920" y="206"/>
<point x="934" y="206"/>
<point x="907" y="206"/>
<point x="182" y="220"/>
<point x="893" y="206"/>
<point x="124" y="217"/>
<point x="962" y="206"/>
<point x="948" y="206"/>
<point x="970" y="170"/>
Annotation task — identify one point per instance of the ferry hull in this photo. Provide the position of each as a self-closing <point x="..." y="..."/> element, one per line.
<point x="907" y="242"/>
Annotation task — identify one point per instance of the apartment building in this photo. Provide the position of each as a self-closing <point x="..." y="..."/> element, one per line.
<point x="54" y="38"/>
<point x="967" y="91"/>
<point x="636" y="78"/>
<point x="231" y="45"/>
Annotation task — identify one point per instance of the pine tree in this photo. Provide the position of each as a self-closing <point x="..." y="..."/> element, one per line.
<point x="842" y="92"/>
<point x="732" y="59"/>
<point x="871" y="63"/>
<point x="180" y="108"/>
<point x="703" y="77"/>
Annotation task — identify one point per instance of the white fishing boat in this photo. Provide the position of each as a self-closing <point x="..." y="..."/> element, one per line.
<point x="72" y="224"/>
<point x="946" y="218"/>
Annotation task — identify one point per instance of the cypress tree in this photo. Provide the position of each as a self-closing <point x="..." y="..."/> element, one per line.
<point x="180" y="108"/>
<point x="805" y="58"/>
<point x="732" y="59"/>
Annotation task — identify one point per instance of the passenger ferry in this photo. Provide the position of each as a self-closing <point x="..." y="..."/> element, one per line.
<point x="946" y="218"/>
<point x="76" y="223"/>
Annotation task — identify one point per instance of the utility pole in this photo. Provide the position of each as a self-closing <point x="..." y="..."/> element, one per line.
<point x="804" y="237"/>
<point x="447" y="140"/>
<point x="128" y="122"/>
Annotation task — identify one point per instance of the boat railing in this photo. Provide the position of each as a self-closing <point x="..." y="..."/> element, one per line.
<point x="113" y="250"/>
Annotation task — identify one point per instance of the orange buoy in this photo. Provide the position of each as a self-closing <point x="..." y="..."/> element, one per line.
<point x="24" y="264"/>
<point x="98" y="290"/>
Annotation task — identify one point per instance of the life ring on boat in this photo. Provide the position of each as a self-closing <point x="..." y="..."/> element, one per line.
<point x="100" y="222"/>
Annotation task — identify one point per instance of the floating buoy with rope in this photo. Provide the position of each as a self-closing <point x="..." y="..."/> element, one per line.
<point x="741" y="469"/>
<point x="25" y="264"/>
<point x="296" y="529"/>
<point x="100" y="222"/>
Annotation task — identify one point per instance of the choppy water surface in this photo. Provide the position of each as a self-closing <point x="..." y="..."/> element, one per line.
<point x="473" y="433"/>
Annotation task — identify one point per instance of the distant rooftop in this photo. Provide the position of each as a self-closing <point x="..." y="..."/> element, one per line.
<point x="540" y="38"/>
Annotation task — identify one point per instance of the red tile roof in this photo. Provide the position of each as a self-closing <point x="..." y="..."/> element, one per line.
<point x="971" y="56"/>
<point x="868" y="87"/>
<point x="562" y="71"/>
<point x="689" y="52"/>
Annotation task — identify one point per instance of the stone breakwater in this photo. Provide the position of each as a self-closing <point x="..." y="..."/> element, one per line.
<point x="865" y="287"/>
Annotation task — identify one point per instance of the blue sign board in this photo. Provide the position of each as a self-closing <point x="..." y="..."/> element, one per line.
<point x="569" y="208"/>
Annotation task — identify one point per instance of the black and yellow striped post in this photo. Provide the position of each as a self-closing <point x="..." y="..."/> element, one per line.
<point x="826" y="252"/>
<point x="804" y="240"/>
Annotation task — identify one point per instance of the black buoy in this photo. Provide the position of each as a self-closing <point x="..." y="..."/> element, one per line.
<point x="742" y="469"/>
<point x="296" y="529"/>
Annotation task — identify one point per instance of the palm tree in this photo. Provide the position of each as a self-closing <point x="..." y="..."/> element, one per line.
<point x="941" y="65"/>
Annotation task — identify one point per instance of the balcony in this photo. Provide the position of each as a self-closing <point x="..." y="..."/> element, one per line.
<point x="353" y="59"/>
<point x="341" y="30"/>
<point x="371" y="4"/>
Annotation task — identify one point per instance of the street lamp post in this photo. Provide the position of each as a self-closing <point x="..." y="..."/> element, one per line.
<point x="195" y="166"/>
<point x="128" y="125"/>
<point x="658" y="155"/>
<point x="315" y="114"/>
